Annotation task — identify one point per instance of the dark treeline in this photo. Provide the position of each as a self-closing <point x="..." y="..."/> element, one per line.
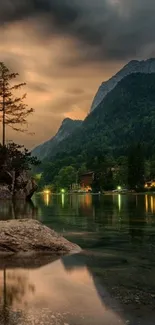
<point x="130" y="170"/>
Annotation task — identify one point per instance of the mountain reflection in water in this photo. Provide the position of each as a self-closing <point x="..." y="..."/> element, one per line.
<point x="55" y="294"/>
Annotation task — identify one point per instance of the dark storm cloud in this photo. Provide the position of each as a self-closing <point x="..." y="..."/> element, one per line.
<point x="62" y="11"/>
<point x="104" y="29"/>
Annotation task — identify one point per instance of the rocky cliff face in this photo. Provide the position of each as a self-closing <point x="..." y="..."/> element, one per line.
<point x="134" y="66"/>
<point x="66" y="129"/>
<point x="18" y="187"/>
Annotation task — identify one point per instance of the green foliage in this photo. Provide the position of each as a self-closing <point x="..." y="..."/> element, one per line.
<point x="120" y="174"/>
<point x="150" y="169"/>
<point x="108" y="180"/>
<point x="16" y="158"/>
<point x="82" y="169"/>
<point x="65" y="178"/>
<point x="136" y="167"/>
<point x="97" y="183"/>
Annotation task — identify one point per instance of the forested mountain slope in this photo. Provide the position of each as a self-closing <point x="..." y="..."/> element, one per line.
<point x="126" y="115"/>
<point x="134" y="66"/>
<point x="46" y="149"/>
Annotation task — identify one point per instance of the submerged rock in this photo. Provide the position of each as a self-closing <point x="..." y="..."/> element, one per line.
<point x="18" y="236"/>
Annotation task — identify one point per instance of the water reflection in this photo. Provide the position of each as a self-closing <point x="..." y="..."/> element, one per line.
<point x="117" y="233"/>
<point x="16" y="286"/>
<point x="18" y="210"/>
<point x="150" y="203"/>
<point x="137" y="218"/>
<point x="119" y="202"/>
<point x="55" y="294"/>
<point x="90" y="221"/>
<point x="146" y="203"/>
<point x="63" y="200"/>
<point x="13" y="290"/>
<point x="46" y="198"/>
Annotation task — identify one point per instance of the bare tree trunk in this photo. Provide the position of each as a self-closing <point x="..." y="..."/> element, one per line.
<point x="4" y="287"/>
<point x="3" y="136"/>
<point x="3" y="117"/>
<point x="4" y="298"/>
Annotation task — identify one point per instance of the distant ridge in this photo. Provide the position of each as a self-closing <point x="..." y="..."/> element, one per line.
<point x="67" y="127"/>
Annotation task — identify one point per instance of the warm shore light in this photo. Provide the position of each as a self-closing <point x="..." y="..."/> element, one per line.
<point x="46" y="192"/>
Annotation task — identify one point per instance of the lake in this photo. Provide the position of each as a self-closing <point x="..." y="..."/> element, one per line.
<point x="110" y="282"/>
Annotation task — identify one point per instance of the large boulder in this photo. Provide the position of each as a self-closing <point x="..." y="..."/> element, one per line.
<point x="5" y="193"/>
<point x="13" y="186"/>
<point x="19" y="236"/>
<point x="25" y="186"/>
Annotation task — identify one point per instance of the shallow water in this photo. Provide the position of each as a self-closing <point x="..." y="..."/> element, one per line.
<point x="56" y="293"/>
<point x="111" y="282"/>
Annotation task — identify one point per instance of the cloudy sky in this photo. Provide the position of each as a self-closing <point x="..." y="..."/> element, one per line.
<point x="64" y="49"/>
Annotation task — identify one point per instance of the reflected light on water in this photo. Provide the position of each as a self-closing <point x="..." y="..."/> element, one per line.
<point x="63" y="199"/>
<point x="146" y="203"/>
<point x="47" y="198"/>
<point x="85" y="200"/>
<point x="119" y="202"/>
<point x="150" y="204"/>
<point x="88" y="199"/>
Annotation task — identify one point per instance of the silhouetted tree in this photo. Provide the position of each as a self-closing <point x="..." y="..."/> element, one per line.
<point x="16" y="158"/>
<point x="14" y="110"/>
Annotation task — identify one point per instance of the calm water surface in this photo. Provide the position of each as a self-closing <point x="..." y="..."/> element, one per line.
<point x="111" y="282"/>
<point x="96" y="221"/>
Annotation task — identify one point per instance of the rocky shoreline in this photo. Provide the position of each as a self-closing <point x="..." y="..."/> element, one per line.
<point x="15" y="186"/>
<point x="30" y="236"/>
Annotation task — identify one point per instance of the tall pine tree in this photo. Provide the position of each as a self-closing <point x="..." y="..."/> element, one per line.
<point x="14" y="111"/>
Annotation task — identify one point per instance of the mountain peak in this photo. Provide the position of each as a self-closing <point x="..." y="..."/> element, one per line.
<point x="132" y="62"/>
<point x="67" y="128"/>
<point x="66" y="120"/>
<point x="134" y="66"/>
<point x="69" y="121"/>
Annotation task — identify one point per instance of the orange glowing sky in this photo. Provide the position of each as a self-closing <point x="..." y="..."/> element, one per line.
<point x="54" y="92"/>
<point x="64" y="52"/>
